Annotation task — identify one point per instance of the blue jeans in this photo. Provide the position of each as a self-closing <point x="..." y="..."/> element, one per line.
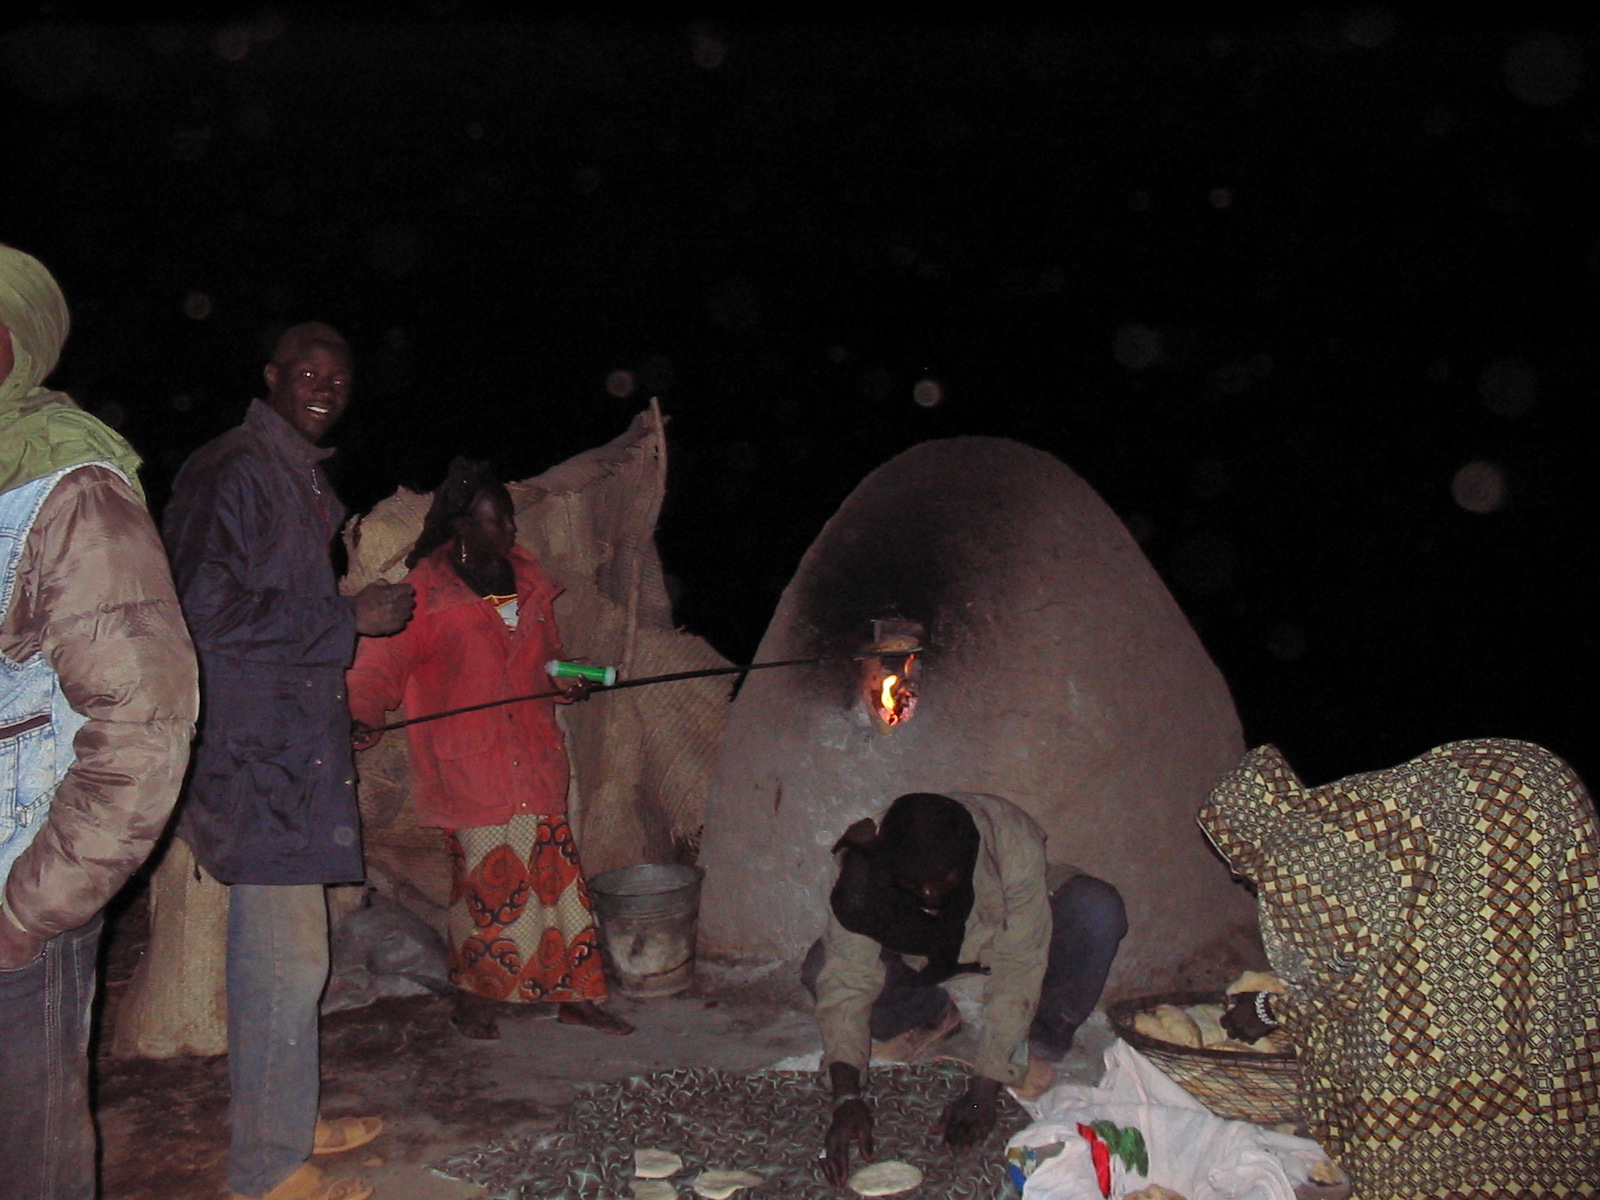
<point x="277" y="968"/>
<point x="1087" y="925"/>
<point x="47" y="1137"/>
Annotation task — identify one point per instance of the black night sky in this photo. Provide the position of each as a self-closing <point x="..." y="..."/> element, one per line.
<point x="1309" y="299"/>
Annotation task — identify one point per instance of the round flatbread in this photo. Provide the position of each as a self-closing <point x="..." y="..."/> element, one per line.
<point x="650" y="1163"/>
<point x="719" y="1184"/>
<point x="653" y="1189"/>
<point x="885" y="1178"/>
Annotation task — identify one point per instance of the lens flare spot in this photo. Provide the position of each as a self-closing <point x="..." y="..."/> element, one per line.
<point x="1287" y="641"/>
<point x="928" y="393"/>
<point x="393" y="249"/>
<point x="197" y="306"/>
<point x="620" y="383"/>
<point x="1479" y="487"/>
<point x="1369" y="28"/>
<point x="1509" y="387"/>
<point x="1544" y="70"/>
<point x="709" y="51"/>
<point x="232" y="43"/>
<point x="1136" y="347"/>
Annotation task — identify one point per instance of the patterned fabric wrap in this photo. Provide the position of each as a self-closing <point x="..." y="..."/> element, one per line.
<point x="520" y="925"/>
<point x="1438" y="924"/>
<point x="770" y="1123"/>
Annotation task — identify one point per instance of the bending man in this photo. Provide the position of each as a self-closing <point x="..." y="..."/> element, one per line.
<point x="958" y="883"/>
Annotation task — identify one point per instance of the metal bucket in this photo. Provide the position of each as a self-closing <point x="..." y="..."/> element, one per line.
<point x="646" y="916"/>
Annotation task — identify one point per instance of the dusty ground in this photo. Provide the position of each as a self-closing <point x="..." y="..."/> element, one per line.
<point x="164" y="1126"/>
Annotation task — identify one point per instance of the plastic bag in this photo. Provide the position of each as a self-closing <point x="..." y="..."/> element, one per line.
<point x="1138" y="1127"/>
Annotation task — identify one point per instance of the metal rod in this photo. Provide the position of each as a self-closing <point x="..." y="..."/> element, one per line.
<point x="641" y="682"/>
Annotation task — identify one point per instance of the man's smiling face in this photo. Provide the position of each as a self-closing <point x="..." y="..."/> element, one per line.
<point x="310" y="389"/>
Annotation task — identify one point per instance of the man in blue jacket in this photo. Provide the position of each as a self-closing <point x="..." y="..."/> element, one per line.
<point x="271" y="805"/>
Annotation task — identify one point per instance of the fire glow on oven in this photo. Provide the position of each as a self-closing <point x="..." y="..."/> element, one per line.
<point x="892" y="667"/>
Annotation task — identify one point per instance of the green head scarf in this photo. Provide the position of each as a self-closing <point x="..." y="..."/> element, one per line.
<point x="43" y="431"/>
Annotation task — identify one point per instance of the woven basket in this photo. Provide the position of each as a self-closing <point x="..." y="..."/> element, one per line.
<point x="1242" y="1085"/>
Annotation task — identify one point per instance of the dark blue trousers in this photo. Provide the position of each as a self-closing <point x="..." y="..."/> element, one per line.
<point x="47" y="1136"/>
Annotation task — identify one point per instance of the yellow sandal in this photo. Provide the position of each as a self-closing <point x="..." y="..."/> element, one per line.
<point x="309" y="1183"/>
<point x="335" y="1135"/>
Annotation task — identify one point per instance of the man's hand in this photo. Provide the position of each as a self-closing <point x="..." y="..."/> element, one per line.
<point x="861" y="835"/>
<point x="851" y="1126"/>
<point x="970" y="1116"/>
<point x="363" y="737"/>
<point x="18" y="947"/>
<point x="383" y="608"/>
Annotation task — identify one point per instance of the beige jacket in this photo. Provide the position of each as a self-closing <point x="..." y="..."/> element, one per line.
<point x="95" y="596"/>
<point x="1008" y="931"/>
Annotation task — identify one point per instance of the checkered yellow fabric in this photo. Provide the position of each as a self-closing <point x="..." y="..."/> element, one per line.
<point x="1439" y="926"/>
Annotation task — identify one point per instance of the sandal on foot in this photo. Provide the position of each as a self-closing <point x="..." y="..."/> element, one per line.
<point x="309" y="1183"/>
<point x="911" y="1045"/>
<point x="1041" y="1077"/>
<point x="335" y="1135"/>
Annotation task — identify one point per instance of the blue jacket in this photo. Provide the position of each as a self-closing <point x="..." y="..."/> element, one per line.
<point x="37" y="724"/>
<point x="271" y="799"/>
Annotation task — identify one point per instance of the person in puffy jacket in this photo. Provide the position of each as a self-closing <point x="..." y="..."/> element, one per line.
<point x="97" y="707"/>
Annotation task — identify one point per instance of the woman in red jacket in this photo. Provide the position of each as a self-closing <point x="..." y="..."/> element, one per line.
<point x="520" y="927"/>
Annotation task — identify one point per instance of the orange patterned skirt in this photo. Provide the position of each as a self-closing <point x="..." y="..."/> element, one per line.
<point x="520" y="925"/>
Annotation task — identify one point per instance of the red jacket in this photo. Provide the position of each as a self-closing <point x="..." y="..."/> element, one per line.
<point x="479" y="768"/>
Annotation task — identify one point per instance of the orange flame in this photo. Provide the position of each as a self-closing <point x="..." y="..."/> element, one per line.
<point x="896" y="696"/>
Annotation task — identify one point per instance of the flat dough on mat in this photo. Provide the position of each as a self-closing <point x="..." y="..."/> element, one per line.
<point x="885" y="1178"/>
<point x="653" y="1189"/>
<point x="719" y="1184"/>
<point x="650" y="1163"/>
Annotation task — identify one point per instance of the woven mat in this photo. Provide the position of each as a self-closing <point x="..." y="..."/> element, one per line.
<point x="769" y="1122"/>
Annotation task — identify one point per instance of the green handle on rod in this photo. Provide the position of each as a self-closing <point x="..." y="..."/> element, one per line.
<point x="556" y="669"/>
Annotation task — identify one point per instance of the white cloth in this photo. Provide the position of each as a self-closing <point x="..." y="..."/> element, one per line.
<point x="1190" y="1149"/>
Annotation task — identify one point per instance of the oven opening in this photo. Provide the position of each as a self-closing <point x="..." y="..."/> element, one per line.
<point x="891" y="668"/>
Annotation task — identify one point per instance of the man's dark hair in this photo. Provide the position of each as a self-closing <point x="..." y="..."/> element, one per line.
<point x="924" y="836"/>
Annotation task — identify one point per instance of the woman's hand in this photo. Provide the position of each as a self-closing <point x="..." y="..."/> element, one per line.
<point x="575" y="690"/>
<point x="363" y="737"/>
